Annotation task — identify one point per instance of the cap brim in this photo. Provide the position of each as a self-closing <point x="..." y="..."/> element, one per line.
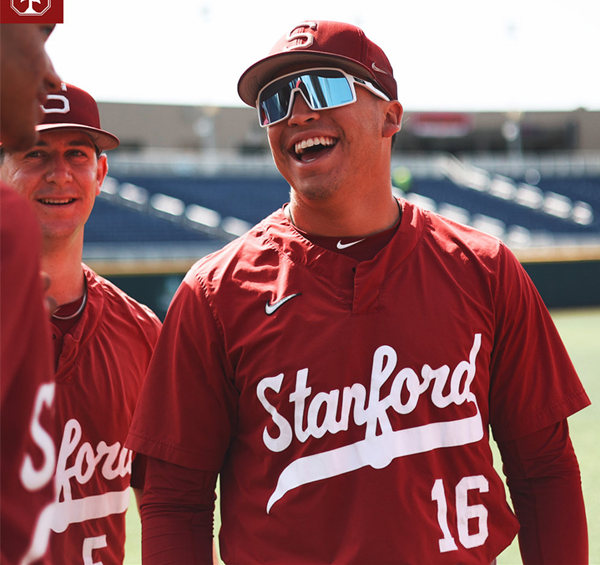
<point x="265" y="70"/>
<point x="104" y="140"/>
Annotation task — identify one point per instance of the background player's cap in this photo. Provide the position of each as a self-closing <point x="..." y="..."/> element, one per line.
<point x="323" y="44"/>
<point x="74" y="108"/>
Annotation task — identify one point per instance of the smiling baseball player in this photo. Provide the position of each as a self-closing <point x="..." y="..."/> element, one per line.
<point x="341" y="365"/>
<point x="103" y="339"/>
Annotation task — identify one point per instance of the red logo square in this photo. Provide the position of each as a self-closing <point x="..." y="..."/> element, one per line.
<point x="31" y="11"/>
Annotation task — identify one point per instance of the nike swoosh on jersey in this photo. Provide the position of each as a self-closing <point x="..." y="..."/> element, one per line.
<point x="271" y="308"/>
<point x="341" y="245"/>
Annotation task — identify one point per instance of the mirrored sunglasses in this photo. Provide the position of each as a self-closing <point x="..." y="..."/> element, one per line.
<point x="322" y="89"/>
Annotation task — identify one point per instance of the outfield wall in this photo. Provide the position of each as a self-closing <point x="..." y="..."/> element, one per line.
<point x="566" y="284"/>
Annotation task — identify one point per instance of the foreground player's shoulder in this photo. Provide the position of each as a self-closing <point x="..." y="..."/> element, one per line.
<point x="119" y="304"/>
<point x="244" y="252"/>
<point x="456" y="238"/>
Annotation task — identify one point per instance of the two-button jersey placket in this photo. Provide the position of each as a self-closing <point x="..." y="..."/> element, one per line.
<point x="368" y="286"/>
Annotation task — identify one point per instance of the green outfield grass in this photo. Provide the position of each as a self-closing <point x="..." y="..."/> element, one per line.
<point x="580" y="330"/>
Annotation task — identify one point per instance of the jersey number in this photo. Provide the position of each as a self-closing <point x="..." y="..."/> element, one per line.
<point x="89" y="544"/>
<point x="464" y="513"/>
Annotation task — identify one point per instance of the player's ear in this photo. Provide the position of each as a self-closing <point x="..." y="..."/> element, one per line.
<point x="393" y="118"/>
<point x="101" y="171"/>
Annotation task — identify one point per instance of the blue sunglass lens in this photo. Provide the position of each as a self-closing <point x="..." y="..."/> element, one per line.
<point x="322" y="89"/>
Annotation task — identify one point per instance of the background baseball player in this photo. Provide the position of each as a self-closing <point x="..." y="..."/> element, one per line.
<point x="27" y="390"/>
<point x="341" y="365"/>
<point x="103" y="339"/>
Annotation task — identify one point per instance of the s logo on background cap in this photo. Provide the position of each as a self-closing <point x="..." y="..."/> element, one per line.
<point x="57" y="103"/>
<point x="305" y="38"/>
<point x="64" y="107"/>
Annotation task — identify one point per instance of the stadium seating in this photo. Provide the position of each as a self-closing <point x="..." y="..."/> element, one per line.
<point x="110" y="223"/>
<point x="249" y="198"/>
<point x="148" y="209"/>
<point x="586" y="189"/>
<point x="508" y="210"/>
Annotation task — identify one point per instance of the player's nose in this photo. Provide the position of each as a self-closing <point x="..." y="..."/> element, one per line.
<point x="301" y="112"/>
<point x="58" y="171"/>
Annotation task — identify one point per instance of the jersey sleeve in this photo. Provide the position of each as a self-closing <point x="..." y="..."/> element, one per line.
<point x="186" y="411"/>
<point x="533" y="381"/>
<point x="545" y="486"/>
<point x="177" y="514"/>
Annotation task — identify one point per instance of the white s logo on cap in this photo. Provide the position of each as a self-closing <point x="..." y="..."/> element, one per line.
<point x="306" y="38"/>
<point x="66" y="106"/>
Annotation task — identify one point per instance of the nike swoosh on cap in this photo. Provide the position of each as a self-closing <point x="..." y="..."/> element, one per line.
<point x="378" y="69"/>
<point x="341" y="245"/>
<point x="271" y="308"/>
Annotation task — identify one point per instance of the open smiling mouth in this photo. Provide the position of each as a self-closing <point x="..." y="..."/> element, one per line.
<point x="313" y="148"/>
<point x="56" y="201"/>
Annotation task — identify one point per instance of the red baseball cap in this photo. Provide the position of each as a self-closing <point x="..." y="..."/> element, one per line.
<point x="320" y="43"/>
<point x="74" y="108"/>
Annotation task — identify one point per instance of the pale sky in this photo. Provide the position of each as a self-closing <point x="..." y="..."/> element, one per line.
<point x="447" y="54"/>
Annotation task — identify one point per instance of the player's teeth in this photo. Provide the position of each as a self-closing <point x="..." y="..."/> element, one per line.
<point x="55" y="201"/>
<point x="306" y="143"/>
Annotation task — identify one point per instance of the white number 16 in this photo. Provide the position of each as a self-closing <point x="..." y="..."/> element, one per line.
<point x="464" y="513"/>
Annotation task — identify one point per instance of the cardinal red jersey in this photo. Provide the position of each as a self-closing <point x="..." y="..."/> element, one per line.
<point x="98" y="379"/>
<point x="348" y="405"/>
<point x="28" y="455"/>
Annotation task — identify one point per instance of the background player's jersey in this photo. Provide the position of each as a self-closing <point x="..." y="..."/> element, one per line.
<point x="348" y="404"/>
<point x="98" y="379"/>
<point x="27" y="386"/>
